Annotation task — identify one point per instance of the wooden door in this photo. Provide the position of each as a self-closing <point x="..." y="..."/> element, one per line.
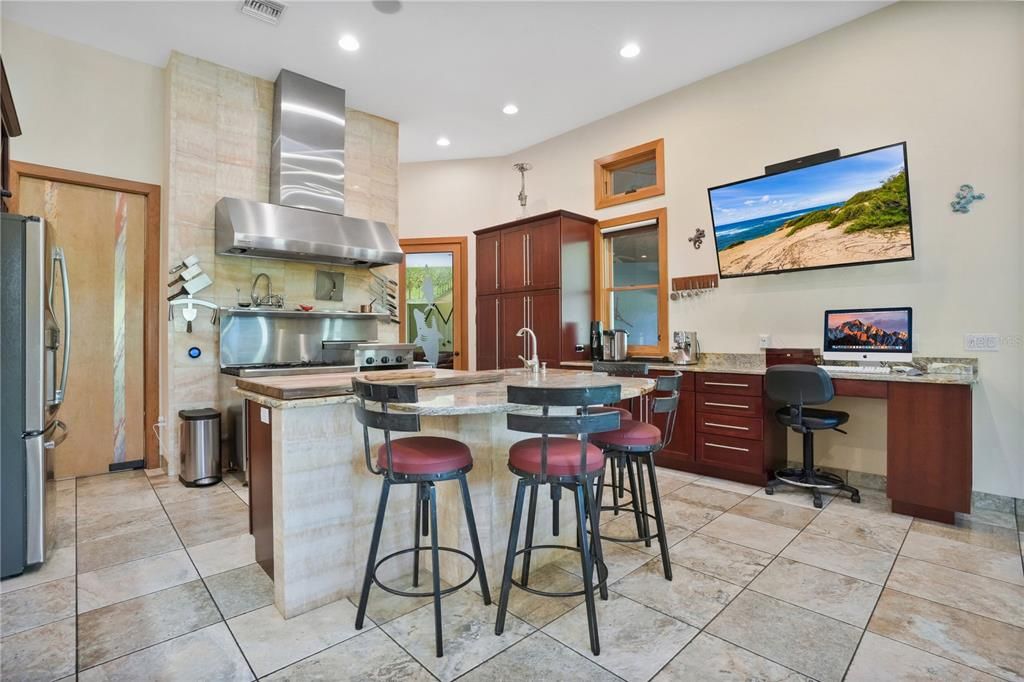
<point x="680" y="448"/>
<point x="104" y="236"/>
<point x="513" y="318"/>
<point x="488" y="263"/>
<point x="513" y="259"/>
<point x="488" y="332"/>
<point x="545" y="321"/>
<point x="432" y="299"/>
<point x="543" y="240"/>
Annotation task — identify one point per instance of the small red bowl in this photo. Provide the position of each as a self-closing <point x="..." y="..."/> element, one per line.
<point x="305" y="308"/>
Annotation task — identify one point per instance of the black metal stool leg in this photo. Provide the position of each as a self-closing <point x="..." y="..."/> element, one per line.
<point x="435" y="562"/>
<point x="587" y="564"/>
<point x="642" y="494"/>
<point x="371" y="559"/>
<point x="420" y="520"/>
<point x="467" y="502"/>
<point x="510" y="557"/>
<point x="531" y="516"/>
<point x="659" y="518"/>
<point x="632" y="494"/>
<point x="614" y="468"/>
<point x="595" y="539"/>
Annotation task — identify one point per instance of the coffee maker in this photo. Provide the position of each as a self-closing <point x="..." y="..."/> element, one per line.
<point x="685" y="348"/>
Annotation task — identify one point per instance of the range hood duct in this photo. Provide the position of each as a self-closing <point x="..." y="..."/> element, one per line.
<point x="304" y="220"/>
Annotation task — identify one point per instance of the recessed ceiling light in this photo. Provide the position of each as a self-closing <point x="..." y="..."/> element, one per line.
<point x="629" y="50"/>
<point x="510" y="109"/>
<point x="443" y="141"/>
<point x="348" y="42"/>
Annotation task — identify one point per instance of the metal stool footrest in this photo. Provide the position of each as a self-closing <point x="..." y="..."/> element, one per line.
<point x="652" y="536"/>
<point x="429" y="593"/>
<point x="810" y="479"/>
<point x="602" y="573"/>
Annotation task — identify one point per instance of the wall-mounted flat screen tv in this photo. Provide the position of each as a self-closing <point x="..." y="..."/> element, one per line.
<point x="853" y="210"/>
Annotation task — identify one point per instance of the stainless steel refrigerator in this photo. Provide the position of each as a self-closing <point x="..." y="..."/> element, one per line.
<point x="33" y="381"/>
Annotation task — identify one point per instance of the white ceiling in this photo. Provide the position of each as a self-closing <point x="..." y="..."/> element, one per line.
<point x="448" y="68"/>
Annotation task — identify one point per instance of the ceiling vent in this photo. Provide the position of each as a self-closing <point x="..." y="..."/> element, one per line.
<point x="264" y="10"/>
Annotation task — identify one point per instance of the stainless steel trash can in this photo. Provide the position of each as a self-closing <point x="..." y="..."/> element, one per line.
<point x="199" y="446"/>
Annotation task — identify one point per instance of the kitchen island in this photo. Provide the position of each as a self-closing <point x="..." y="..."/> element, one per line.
<point x="313" y="501"/>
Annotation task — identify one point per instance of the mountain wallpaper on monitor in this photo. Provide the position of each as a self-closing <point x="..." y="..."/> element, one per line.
<point x="855" y="209"/>
<point x="867" y="329"/>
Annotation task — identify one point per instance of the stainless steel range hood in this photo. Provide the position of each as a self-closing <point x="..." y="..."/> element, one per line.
<point x="305" y="217"/>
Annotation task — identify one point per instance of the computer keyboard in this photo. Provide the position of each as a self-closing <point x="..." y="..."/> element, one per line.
<point x="855" y="369"/>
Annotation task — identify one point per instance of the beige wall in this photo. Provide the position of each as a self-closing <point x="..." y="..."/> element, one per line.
<point x="219" y="127"/>
<point x="84" y="109"/>
<point x="947" y="78"/>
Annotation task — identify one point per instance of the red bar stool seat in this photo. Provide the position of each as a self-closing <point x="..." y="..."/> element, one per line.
<point x="424" y="455"/>
<point x="563" y="457"/>
<point x="623" y="412"/>
<point x="629" y="434"/>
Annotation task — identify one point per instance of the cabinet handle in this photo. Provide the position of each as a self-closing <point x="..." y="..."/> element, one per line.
<point x="725" y="383"/>
<point x="497" y="284"/>
<point x="726" y="447"/>
<point x="524" y="259"/>
<point x="727" y="426"/>
<point x="529" y="261"/>
<point x="737" y="406"/>
<point x="497" y="330"/>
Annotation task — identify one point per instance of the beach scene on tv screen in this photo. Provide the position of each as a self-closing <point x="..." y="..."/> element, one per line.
<point x="851" y="210"/>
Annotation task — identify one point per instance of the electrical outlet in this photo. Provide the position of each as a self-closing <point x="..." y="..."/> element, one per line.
<point x="981" y="342"/>
<point x="764" y="340"/>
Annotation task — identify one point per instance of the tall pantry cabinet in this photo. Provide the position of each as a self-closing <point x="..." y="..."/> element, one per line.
<point x="534" y="272"/>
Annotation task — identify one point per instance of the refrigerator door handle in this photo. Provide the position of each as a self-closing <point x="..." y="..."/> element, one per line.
<point x="58" y="257"/>
<point x="56" y="440"/>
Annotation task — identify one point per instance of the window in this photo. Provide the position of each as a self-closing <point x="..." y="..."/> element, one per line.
<point x="629" y="175"/>
<point x="633" y="286"/>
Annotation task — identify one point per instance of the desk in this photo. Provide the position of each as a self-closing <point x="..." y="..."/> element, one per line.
<point x="726" y="427"/>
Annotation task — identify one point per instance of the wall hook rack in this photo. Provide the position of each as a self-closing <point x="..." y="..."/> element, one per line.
<point x="695" y="285"/>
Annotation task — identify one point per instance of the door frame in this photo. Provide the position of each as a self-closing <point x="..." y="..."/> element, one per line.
<point x="459" y="246"/>
<point x="152" y="290"/>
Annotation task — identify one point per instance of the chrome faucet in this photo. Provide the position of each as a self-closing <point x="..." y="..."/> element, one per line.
<point x="271" y="299"/>
<point x="533" y="364"/>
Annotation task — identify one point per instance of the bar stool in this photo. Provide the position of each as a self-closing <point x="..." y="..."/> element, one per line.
<point x="634" y="444"/>
<point x="422" y="461"/>
<point x="620" y="467"/>
<point x="561" y="462"/>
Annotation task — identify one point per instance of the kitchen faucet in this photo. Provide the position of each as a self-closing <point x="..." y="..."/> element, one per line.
<point x="533" y="364"/>
<point x="271" y="299"/>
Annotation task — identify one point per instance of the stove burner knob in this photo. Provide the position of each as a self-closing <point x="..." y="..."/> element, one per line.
<point x="369" y="360"/>
<point x="385" y="359"/>
<point x="399" y="359"/>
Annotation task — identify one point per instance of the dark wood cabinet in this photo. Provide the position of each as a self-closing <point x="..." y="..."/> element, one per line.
<point x="261" y="488"/>
<point x="535" y="272"/>
<point x="9" y="127"/>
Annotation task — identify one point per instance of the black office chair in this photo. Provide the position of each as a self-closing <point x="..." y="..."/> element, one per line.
<point x="797" y="386"/>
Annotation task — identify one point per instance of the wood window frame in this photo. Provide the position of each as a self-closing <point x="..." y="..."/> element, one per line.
<point x="602" y="277"/>
<point x="155" y="306"/>
<point x="604" y="167"/>
<point x="459" y="246"/>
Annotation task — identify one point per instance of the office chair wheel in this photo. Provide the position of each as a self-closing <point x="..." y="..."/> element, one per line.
<point x="817" y="500"/>
<point x="769" y="491"/>
<point x="855" y="498"/>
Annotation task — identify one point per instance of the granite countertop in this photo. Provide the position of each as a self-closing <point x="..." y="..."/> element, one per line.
<point x="489" y="398"/>
<point x="754" y="363"/>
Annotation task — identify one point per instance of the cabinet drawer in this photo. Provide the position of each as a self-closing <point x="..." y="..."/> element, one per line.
<point x="732" y="453"/>
<point x="730" y="425"/>
<point x="735" y="384"/>
<point x="745" y="406"/>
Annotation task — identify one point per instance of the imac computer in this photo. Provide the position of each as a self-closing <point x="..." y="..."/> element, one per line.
<point x="868" y="335"/>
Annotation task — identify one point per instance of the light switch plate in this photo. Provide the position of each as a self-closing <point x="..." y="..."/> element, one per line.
<point x="764" y="340"/>
<point x="981" y="342"/>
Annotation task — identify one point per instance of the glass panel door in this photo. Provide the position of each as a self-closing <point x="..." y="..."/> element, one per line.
<point x="430" y="311"/>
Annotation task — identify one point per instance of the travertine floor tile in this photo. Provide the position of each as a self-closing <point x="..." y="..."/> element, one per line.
<point x="874" y="506"/>
<point x="752" y="533"/>
<point x="708" y="496"/>
<point x="635" y="641"/>
<point x="468" y="634"/>
<point x="975" y="559"/>
<point x="537" y="610"/>
<point x="880" y="658"/>
<point x="980" y="534"/>
<point x="61" y="564"/>
<point x="692" y="597"/>
<point x="798" y="496"/>
<point x="538" y="657"/>
<point x="686" y="514"/>
<point x="981" y="643"/>
<point x="171" y="490"/>
<point x="141" y="502"/>
<point x="371" y="655"/>
<point x="113" y="631"/>
<point x="207" y="654"/>
<point x="209" y="518"/>
<point x="812" y="644"/>
<point x="224" y="554"/>
<point x="133" y="579"/>
<point x="383" y="606"/>
<point x="619" y="559"/>
<point x="105" y="524"/>
<point x="1003" y="519"/>
<point x="44" y="653"/>
<point x="710" y="659"/>
<point x="779" y="513"/>
<point x="732" y="486"/>
<point x="831" y="594"/>
<point x="624" y="526"/>
<point x="270" y="642"/>
<point x="726" y="560"/>
<point x="34" y="606"/>
<point x="241" y="590"/>
<point x="977" y="594"/>
<point x="118" y="549"/>
<point x="872" y="565"/>
<point x="858" y="530"/>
